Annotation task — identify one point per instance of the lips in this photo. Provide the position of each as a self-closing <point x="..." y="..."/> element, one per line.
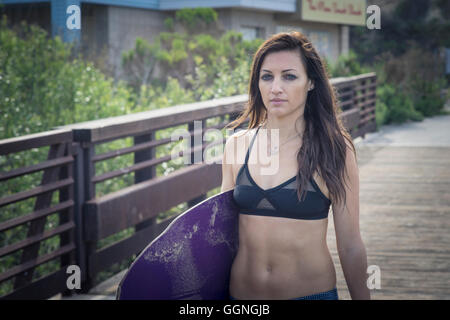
<point x="277" y="101"/>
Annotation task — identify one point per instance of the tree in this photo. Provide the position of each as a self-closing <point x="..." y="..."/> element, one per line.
<point x="425" y="24"/>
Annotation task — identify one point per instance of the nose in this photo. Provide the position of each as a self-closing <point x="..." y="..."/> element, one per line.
<point x="276" y="86"/>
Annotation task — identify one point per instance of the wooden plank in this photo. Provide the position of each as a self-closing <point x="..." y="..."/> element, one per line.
<point x="196" y="153"/>
<point x="371" y="86"/>
<point x="362" y="99"/>
<point x="151" y="163"/>
<point x="138" y="123"/>
<point x="34" y="263"/>
<point x="39" y="190"/>
<point x="35" y="239"/>
<point x="135" y="148"/>
<point x="124" y="249"/>
<point x="135" y="167"/>
<point x="350" y="118"/>
<point x="348" y="94"/>
<point x="147" y="173"/>
<point x="343" y="105"/>
<point x="36" y="140"/>
<point x="35" y="215"/>
<point x="34" y="168"/>
<point x="344" y="80"/>
<point x="142" y="146"/>
<point x="42" y="288"/>
<point x="404" y="221"/>
<point x="105" y="216"/>
<point x="369" y="118"/>
<point x="368" y="127"/>
<point x="370" y="110"/>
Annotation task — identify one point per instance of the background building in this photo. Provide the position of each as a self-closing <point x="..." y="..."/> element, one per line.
<point x="109" y="27"/>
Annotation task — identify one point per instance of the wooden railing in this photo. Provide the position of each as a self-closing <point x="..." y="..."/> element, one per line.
<point x="57" y="177"/>
<point x="88" y="214"/>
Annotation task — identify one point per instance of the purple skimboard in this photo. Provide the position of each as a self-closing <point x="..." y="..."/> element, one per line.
<point x="191" y="259"/>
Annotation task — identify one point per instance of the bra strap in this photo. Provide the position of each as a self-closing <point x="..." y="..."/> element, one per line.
<point x="251" y="145"/>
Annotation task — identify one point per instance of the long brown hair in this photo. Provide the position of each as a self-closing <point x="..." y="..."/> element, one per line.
<point x="323" y="148"/>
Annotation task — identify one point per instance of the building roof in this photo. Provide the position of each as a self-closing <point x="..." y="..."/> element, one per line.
<point x="268" y="5"/>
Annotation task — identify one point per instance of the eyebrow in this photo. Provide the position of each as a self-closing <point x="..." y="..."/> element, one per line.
<point x="281" y="71"/>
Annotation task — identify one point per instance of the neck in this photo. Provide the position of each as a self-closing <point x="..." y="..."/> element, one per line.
<point x="287" y="127"/>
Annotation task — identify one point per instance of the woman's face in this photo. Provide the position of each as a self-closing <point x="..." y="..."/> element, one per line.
<point x="283" y="83"/>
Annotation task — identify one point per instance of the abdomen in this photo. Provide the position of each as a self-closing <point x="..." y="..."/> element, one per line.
<point x="281" y="258"/>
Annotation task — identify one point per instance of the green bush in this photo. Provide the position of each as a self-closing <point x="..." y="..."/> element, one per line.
<point x="408" y="87"/>
<point x="419" y="73"/>
<point x="42" y="85"/>
<point x="428" y="99"/>
<point x="200" y="67"/>
<point x="223" y="76"/>
<point x="381" y="111"/>
<point x="346" y="65"/>
<point x="196" y="18"/>
<point x="393" y="106"/>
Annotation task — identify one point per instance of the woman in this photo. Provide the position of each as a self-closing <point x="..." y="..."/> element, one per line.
<point x="283" y="222"/>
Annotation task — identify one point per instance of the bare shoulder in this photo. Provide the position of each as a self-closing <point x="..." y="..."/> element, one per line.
<point x="240" y="138"/>
<point x="239" y="134"/>
<point x="235" y="148"/>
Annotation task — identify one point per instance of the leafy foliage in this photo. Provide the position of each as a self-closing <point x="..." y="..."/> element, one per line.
<point x="393" y="106"/>
<point x="42" y="85"/>
<point x="347" y="65"/>
<point x="196" y="18"/>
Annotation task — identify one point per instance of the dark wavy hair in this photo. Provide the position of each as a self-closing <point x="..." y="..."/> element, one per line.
<point x="323" y="148"/>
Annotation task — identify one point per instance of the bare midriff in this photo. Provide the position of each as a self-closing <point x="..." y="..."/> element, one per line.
<point x="281" y="258"/>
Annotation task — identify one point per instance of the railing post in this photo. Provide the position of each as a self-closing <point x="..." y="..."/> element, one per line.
<point x="78" y="172"/>
<point x="375" y="102"/>
<point x="233" y="116"/>
<point x="67" y="215"/>
<point x="355" y="105"/>
<point x="89" y="193"/>
<point x="146" y="173"/>
<point x="195" y="143"/>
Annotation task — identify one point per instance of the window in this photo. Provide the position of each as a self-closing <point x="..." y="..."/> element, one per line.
<point x="250" y="33"/>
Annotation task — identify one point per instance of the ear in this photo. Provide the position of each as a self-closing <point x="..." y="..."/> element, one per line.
<point x="310" y="85"/>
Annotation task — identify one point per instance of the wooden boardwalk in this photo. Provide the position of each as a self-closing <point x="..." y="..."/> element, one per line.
<point x="405" y="220"/>
<point x="404" y="213"/>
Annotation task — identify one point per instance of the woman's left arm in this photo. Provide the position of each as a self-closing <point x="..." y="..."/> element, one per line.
<point x="351" y="249"/>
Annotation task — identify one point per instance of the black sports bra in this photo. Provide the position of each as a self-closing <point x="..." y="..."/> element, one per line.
<point x="280" y="201"/>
